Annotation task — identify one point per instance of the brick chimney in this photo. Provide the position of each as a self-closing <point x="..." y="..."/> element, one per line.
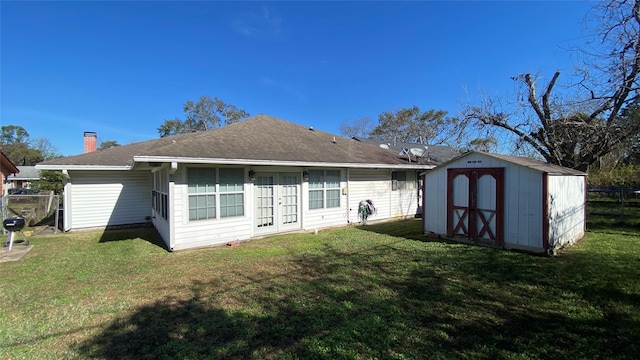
<point x="90" y="141"/>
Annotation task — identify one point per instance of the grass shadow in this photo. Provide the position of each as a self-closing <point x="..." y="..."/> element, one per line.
<point x="149" y="234"/>
<point x="399" y="300"/>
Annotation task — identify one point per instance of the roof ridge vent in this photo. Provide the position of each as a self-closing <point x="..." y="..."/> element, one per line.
<point x="311" y="128"/>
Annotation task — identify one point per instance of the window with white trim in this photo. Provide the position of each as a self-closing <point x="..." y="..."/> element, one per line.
<point x="324" y="189"/>
<point x="159" y="194"/>
<point x="215" y="193"/>
<point x="399" y="181"/>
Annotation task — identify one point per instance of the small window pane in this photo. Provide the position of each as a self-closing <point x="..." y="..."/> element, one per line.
<point x="201" y="180"/>
<point x="333" y="198"/>
<point x="333" y="179"/>
<point x="202" y="207"/>
<point x="315" y="199"/>
<point x="231" y="180"/>
<point x="316" y="180"/>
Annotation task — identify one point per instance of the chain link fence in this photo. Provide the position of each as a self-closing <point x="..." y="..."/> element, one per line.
<point x="41" y="212"/>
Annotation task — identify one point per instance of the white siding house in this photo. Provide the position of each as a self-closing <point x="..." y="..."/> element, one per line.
<point x="253" y="178"/>
<point x="505" y="201"/>
<point x="101" y="199"/>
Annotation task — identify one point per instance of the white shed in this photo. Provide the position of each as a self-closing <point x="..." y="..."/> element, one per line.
<point x="505" y="201"/>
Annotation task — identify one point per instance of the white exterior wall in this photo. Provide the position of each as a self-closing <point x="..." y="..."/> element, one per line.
<point x="362" y="184"/>
<point x="104" y="198"/>
<point x="566" y="209"/>
<point x="187" y="234"/>
<point x="374" y="185"/>
<point x="324" y="218"/>
<point x="404" y="201"/>
<point x="161" y="224"/>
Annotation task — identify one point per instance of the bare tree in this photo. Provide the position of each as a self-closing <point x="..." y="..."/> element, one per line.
<point x="356" y="127"/>
<point x="576" y="129"/>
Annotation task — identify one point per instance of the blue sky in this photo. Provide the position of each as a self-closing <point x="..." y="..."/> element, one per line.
<point x="121" y="68"/>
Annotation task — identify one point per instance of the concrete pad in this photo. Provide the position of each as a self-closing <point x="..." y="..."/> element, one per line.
<point x="18" y="250"/>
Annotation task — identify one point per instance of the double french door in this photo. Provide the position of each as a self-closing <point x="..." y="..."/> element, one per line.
<point x="475" y="204"/>
<point x="277" y="199"/>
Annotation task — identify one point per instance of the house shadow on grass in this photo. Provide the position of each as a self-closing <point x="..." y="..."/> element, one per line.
<point x="149" y="234"/>
<point x="410" y="229"/>
<point x="375" y="303"/>
<point x="407" y="229"/>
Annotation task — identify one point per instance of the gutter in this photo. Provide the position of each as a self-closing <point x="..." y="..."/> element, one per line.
<point x="253" y="162"/>
<point x="82" y="167"/>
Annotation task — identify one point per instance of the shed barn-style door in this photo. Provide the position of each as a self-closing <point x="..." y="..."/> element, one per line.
<point x="475" y="202"/>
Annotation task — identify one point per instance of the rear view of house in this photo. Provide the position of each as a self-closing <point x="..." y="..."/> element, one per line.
<point x="256" y="177"/>
<point x="505" y="201"/>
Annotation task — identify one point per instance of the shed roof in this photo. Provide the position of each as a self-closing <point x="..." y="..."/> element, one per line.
<point x="258" y="139"/>
<point x="534" y="164"/>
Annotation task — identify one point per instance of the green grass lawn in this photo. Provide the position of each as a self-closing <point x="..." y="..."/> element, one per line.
<point x="379" y="291"/>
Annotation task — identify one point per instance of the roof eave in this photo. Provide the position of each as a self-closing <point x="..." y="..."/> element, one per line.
<point x="83" y="167"/>
<point x="254" y="162"/>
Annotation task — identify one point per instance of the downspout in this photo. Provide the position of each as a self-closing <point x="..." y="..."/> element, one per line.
<point x="584" y="205"/>
<point x="66" y="198"/>
<point x="348" y="197"/>
<point x="424" y="191"/>
<point x="171" y="196"/>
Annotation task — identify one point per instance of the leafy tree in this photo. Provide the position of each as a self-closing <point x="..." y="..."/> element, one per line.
<point x="13" y="134"/>
<point x="206" y="114"/>
<point x="50" y="180"/>
<point x="578" y="128"/>
<point x="413" y="125"/>
<point x="360" y="128"/>
<point x="21" y="150"/>
<point x="172" y="127"/>
<point x="108" y="144"/>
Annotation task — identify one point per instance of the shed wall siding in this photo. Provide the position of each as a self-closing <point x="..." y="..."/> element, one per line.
<point x="434" y="209"/>
<point x="523" y="206"/>
<point x="103" y="198"/>
<point x="566" y="209"/>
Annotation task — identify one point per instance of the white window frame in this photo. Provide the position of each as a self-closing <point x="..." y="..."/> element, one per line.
<point x="325" y="187"/>
<point x="213" y="188"/>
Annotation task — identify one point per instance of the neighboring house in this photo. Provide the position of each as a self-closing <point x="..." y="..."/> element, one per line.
<point x="256" y="177"/>
<point x="435" y="154"/>
<point x="505" y="201"/>
<point x="6" y="169"/>
<point x="23" y="179"/>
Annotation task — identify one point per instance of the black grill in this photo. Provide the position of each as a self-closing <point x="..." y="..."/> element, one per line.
<point x="14" y="224"/>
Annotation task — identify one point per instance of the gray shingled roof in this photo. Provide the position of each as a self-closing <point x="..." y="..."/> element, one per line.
<point x="26" y="173"/>
<point x="260" y="138"/>
<point x="435" y="153"/>
<point x="526" y="162"/>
